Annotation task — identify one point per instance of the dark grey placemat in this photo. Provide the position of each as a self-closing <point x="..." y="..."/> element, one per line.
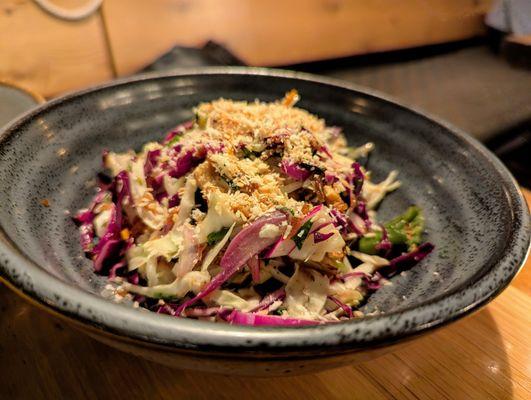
<point x="471" y="88"/>
<point x="13" y="102"/>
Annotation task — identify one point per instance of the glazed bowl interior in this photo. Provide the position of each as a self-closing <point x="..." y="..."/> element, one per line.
<point x="474" y="213"/>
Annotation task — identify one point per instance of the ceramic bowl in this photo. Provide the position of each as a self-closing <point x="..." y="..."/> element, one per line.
<point x="475" y="216"/>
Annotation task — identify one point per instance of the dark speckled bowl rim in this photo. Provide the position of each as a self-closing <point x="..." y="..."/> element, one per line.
<point x="371" y="331"/>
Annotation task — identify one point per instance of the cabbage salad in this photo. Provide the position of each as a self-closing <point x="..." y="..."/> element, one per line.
<point x="253" y="213"/>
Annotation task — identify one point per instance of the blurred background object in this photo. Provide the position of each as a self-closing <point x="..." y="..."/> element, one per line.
<point x="78" y="14"/>
<point x="511" y="16"/>
<point x="509" y="22"/>
<point x="430" y="54"/>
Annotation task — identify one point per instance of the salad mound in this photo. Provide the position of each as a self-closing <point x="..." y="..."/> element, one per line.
<point x="253" y="213"/>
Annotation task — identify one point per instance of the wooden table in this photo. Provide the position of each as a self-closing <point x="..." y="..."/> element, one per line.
<point x="51" y="56"/>
<point x="485" y="356"/>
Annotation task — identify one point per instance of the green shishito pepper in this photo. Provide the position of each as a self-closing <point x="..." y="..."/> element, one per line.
<point x="174" y="141"/>
<point x="403" y="229"/>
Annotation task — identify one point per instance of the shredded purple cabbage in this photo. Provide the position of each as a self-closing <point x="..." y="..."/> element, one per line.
<point x="385" y="244"/>
<point x="340" y="220"/>
<point x="110" y="247"/>
<point x="154" y="182"/>
<point x="269" y="299"/>
<point x="357" y="178"/>
<point x="178" y="130"/>
<point x="117" y="269"/>
<point x="106" y="249"/>
<point x="151" y="161"/>
<point x="133" y="278"/>
<point x="84" y="217"/>
<point x="167" y="309"/>
<point x="243" y="318"/>
<point x="174" y="201"/>
<point x="373" y="282"/>
<point x="407" y="260"/>
<point x="339" y="303"/>
<point x="184" y="163"/>
<point x="294" y="171"/>
<point x="361" y="210"/>
<point x="354" y="274"/>
<point x="246" y="244"/>
<point x="191" y="158"/>
<point x="370" y="282"/>
<point x="330" y="178"/>
<point x="355" y="184"/>
<point x="321" y="237"/>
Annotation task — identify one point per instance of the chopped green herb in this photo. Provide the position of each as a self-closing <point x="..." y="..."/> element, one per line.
<point x="250" y="154"/>
<point x="230" y="182"/>
<point x="286" y="209"/>
<point x="201" y="120"/>
<point x="279" y="311"/>
<point x="233" y="186"/>
<point x="246" y="152"/>
<point x="311" y="168"/>
<point x="341" y="267"/>
<point x="302" y="234"/>
<point x="215" y="237"/>
<point x="174" y="141"/>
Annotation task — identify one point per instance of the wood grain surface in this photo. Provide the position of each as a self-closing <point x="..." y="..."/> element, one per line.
<point x="50" y="56"/>
<point x="485" y="356"/>
<point x="271" y="33"/>
<point x="47" y="55"/>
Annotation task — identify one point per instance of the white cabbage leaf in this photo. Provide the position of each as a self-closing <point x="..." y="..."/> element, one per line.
<point x="306" y="293"/>
<point x="192" y="281"/>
